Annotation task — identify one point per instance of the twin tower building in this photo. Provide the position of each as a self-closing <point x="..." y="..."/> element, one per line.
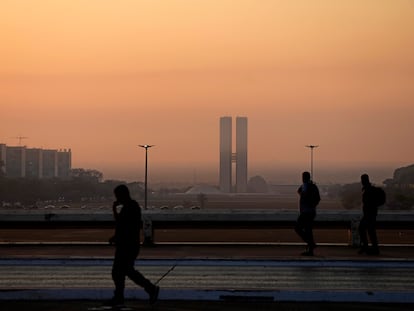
<point x="228" y="157"/>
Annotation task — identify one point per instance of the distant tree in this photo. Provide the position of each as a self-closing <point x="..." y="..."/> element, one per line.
<point x="86" y="174"/>
<point x="400" y="191"/>
<point x="351" y="196"/>
<point x="84" y="184"/>
<point x="404" y="175"/>
<point x="137" y="189"/>
<point x="334" y="191"/>
<point x="2" y="165"/>
<point x="389" y="182"/>
<point x="400" y="198"/>
<point x="28" y="191"/>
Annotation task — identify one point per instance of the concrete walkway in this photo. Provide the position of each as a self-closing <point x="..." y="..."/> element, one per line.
<point x="348" y="281"/>
<point x="264" y="251"/>
<point x="212" y="273"/>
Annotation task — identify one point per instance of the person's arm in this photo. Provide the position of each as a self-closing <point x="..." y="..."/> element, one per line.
<point x="114" y="210"/>
<point x="115" y="214"/>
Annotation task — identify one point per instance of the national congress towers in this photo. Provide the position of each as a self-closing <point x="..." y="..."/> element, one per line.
<point x="228" y="157"/>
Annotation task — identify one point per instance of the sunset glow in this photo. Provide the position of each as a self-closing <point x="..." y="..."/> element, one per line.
<point x="102" y="77"/>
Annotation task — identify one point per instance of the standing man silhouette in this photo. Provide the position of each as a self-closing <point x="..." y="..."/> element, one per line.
<point x="372" y="198"/>
<point x="309" y="199"/>
<point x="127" y="243"/>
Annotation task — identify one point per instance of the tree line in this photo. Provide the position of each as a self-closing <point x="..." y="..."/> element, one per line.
<point x="83" y="184"/>
<point x="399" y="191"/>
<point x="88" y="185"/>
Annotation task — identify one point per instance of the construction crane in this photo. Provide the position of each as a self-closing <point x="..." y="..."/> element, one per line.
<point x="20" y="138"/>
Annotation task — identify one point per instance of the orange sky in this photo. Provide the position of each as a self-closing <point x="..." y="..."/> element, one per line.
<point x="101" y="77"/>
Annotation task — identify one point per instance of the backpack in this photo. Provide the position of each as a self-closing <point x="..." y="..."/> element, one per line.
<point x="380" y="196"/>
<point x="315" y="197"/>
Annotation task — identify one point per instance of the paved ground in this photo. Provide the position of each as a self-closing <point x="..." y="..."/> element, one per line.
<point x="276" y="280"/>
<point x="204" y="251"/>
<point x="203" y="306"/>
<point x="221" y="274"/>
<point x="212" y="277"/>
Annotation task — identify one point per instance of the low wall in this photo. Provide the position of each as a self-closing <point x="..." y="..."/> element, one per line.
<point x="205" y="219"/>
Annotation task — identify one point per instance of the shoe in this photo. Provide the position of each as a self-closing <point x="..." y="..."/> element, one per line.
<point x="309" y="252"/>
<point x="114" y="302"/>
<point x="153" y="295"/>
<point x="363" y="250"/>
<point x="373" y="251"/>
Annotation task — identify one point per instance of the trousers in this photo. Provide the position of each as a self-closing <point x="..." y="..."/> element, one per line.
<point x="304" y="227"/>
<point x="123" y="266"/>
<point x="368" y="225"/>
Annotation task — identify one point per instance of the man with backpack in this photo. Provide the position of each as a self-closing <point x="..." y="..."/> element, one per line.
<point x="309" y="199"/>
<point x="372" y="198"/>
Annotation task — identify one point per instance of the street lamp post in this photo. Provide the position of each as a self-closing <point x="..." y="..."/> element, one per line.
<point x="311" y="147"/>
<point x="147" y="225"/>
<point x="146" y="174"/>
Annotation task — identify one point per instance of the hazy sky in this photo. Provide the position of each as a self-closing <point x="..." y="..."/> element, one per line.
<point x="102" y="76"/>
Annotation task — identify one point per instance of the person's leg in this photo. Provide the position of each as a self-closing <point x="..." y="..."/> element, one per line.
<point x="372" y="232"/>
<point x="304" y="229"/>
<point x="308" y="233"/>
<point x="299" y="227"/>
<point x="139" y="279"/>
<point x="118" y="277"/>
<point x="362" y="229"/>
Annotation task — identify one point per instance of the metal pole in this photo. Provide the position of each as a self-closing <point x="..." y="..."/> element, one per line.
<point x="311" y="147"/>
<point x="311" y="163"/>
<point x="146" y="179"/>
<point x="146" y="174"/>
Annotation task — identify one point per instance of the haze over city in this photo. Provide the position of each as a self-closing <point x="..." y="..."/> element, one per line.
<point x="102" y="77"/>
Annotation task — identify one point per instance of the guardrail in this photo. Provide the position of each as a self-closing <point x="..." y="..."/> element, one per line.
<point x="208" y="219"/>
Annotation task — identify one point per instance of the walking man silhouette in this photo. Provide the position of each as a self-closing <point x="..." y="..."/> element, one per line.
<point x="309" y="199"/>
<point x="127" y="246"/>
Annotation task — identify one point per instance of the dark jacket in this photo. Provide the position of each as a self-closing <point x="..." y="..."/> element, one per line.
<point x="309" y="197"/>
<point x="128" y="225"/>
<point x="369" y="201"/>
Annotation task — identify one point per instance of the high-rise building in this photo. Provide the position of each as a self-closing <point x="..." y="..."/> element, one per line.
<point x="227" y="157"/>
<point x="16" y="161"/>
<point x="3" y="158"/>
<point x="34" y="163"/>
<point x="64" y="158"/>
<point x="50" y="163"/>
<point x="241" y="154"/>
<point x="225" y="154"/>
